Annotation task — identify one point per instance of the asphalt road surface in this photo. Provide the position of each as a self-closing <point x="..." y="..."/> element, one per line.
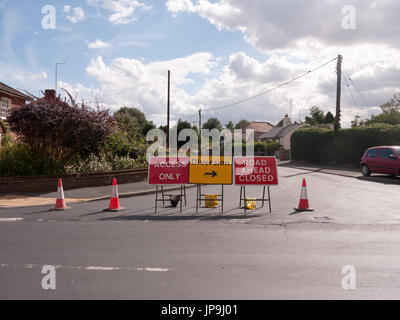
<point x="137" y="254"/>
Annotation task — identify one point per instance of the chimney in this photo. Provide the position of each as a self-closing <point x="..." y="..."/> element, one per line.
<point x="50" y="94"/>
<point x="286" y="121"/>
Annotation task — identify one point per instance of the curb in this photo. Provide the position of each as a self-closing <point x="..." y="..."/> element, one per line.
<point x="138" y="193"/>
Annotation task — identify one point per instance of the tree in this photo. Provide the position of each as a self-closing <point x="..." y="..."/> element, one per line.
<point x="329" y="118"/>
<point x="357" y="122"/>
<point x="230" y="126"/>
<point x="133" y="121"/>
<point x="212" y="123"/>
<point x="317" y="116"/>
<point x="391" y="117"/>
<point x="61" y="130"/>
<point x="242" y="124"/>
<point x="393" y="103"/>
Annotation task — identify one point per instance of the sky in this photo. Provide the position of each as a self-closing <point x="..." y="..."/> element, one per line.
<point x="118" y="52"/>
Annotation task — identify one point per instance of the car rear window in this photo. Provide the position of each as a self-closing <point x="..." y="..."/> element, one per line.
<point x="373" y="153"/>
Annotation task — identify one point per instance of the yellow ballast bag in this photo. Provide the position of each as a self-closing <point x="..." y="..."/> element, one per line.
<point x="250" y="203"/>
<point x="211" y="200"/>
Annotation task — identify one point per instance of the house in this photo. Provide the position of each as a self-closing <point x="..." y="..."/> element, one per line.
<point x="282" y="135"/>
<point x="10" y="99"/>
<point x="259" y="128"/>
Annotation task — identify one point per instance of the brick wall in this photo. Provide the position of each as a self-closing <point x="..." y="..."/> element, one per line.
<point x="34" y="184"/>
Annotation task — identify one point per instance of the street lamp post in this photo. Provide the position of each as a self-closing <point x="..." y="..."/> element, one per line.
<point x="57" y="63"/>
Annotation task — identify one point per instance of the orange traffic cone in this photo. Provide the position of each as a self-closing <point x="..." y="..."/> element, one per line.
<point x="60" y="202"/>
<point x="303" y="204"/>
<point x="114" y="201"/>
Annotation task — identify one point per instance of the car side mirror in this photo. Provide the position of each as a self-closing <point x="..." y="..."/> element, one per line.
<point x="392" y="156"/>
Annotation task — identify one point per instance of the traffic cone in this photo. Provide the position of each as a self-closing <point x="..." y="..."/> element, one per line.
<point x="60" y="202"/>
<point x="303" y="204"/>
<point x="114" y="201"/>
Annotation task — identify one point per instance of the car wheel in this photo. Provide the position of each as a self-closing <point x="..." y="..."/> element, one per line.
<point x="365" y="171"/>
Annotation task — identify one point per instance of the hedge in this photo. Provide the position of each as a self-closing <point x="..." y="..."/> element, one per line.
<point x="322" y="146"/>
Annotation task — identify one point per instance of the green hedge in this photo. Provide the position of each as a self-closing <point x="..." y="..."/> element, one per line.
<point x="317" y="145"/>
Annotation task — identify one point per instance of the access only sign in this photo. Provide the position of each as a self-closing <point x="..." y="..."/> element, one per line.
<point x="255" y="171"/>
<point x="168" y="170"/>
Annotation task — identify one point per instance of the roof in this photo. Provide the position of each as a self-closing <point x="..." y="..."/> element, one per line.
<point x="12" y="92"/>
<point x="259" y="126"/>
<point x="278" y="132"/>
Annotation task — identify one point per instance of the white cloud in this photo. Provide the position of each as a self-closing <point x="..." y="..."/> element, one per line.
<point x="42" y="75"/>
<point x="269" y="25"/>
<point x="123" y="10"/>
<point x="67" y="8"/>
<point x="98" y="44"/>
<point x="78" y="15"/>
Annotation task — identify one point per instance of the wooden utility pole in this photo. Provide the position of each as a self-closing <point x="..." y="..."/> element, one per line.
<point x="199" y="131"/>
<point x="168" y="108"/>
<point x="338" y="92"/>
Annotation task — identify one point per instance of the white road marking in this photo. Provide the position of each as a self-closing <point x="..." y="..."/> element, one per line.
<point x="89" y="268"/>
<point x="10" y="219"/>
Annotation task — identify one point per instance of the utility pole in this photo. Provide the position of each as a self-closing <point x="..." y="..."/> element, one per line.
<point x="199" y="131"/>
<point x="338" y="92"/>
<point x="168" y="108"/>
<point x="55" y="86"/>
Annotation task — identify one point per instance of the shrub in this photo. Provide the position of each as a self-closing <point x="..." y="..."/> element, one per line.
<point x="19" y="160"/>
<point x="346" y="148"/>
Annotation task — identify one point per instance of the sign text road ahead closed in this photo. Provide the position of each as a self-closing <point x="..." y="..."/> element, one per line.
<point x="256" y="171"/>
<point x="210" y="170"/>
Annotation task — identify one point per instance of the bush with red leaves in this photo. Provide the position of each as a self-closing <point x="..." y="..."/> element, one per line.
<point x="61" y="129"/>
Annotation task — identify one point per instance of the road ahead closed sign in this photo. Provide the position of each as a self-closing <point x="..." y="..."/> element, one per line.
<point x="210" y="170"/>
<point x="256" y="171"/>
<point x="164" y="170"/>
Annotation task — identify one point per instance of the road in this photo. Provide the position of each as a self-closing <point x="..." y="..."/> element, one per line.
<point x="137" y="254"/>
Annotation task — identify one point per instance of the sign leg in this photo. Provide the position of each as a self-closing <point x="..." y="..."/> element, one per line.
<point x="162" y="193"/>
<point x="244" y="197"/>
<point x="197" y="199"/>
<point x="181" y="199"/>
<point x="155" y="206"/>
<point x="222" y="203"/>
<point x="263" y="198"/>
<point x="269" y="200"/>
<point x="184" y="191"/>
<point x="240" y="198"/>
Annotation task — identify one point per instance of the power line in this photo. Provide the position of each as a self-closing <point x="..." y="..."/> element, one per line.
<point x="272" y="89"/>
<point x="351" y="94"/>
<point x="359" y="92"/>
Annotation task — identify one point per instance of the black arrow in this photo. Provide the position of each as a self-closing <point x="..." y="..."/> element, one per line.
<point x="213" y="174"/>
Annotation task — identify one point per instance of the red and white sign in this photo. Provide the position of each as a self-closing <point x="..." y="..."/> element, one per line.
<point x="164" y="170"/>
<point x="255" y="171"/>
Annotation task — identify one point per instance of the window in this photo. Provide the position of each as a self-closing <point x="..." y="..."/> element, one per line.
<point x="373" y="153"/>
<point x="5" y="107"/>
<point x="386" y="153"/>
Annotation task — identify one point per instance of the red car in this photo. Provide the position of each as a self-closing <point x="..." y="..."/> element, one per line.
<point x="381" y="160"/>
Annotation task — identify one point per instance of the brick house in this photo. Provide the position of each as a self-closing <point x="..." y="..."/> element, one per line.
<point x="259" y="127"/>
<point x="10" y="99"/>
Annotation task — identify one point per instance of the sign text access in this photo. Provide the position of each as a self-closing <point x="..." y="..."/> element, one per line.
<point x="165" y="170"/>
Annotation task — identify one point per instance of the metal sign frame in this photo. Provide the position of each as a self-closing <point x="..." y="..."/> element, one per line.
<point x="201" y="197"/>
<point x="163" y="195"/>
<point x="263" y="199"/>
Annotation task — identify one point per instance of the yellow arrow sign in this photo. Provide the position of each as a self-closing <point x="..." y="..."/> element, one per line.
<point x="210" y="170"/>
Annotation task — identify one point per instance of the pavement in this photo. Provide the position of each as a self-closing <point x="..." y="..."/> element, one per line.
<point x="128" y="189"/>
<point x="139" y="254"/>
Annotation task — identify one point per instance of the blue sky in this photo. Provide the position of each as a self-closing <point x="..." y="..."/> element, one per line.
<point x="117" y="52"/>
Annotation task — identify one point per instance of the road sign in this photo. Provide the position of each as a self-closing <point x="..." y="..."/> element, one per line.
<point x="165" y="170"/>
<point x="210" y="170"/>
<point x="256" y="171"/>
